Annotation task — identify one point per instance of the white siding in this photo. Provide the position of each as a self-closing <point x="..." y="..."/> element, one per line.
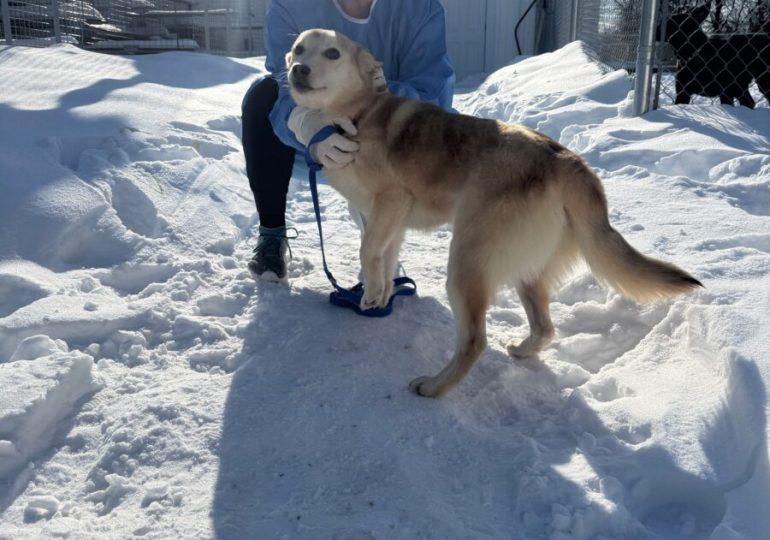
<point x="466" y="34"/>
<point x="480" y="33"/>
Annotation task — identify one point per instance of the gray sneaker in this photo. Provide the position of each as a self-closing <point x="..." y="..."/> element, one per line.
<point x="269" y="260"/>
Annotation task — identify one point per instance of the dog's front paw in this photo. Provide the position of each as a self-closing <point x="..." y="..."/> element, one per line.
<point x="387" y="290"/>
<point x="425" y="387"/>
<point x="369" y="302"/>
<point x="375" y="296"/>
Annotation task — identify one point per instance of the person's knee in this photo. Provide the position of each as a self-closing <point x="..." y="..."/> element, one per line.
<point x="260" y="98"/>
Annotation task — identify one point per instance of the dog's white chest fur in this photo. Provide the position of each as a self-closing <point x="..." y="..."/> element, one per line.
<point x="345" y="182"/>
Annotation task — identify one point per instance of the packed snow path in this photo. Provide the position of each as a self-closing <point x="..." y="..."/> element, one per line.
<point x="151" y="389"/>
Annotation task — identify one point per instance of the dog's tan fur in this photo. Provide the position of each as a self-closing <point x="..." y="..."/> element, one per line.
<point x="524" y="208"/>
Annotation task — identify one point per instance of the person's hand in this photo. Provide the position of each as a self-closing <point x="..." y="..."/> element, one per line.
<point x="334" y="152"/>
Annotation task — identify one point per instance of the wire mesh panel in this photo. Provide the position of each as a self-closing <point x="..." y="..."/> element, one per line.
<point x="31" y="21"/>
<point x="715" y="52"/>
<point x="558" y="19"/>
<point x="611" y="28"/>
<point x="232" y="27"/>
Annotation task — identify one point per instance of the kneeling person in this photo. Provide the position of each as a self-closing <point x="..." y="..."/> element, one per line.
<point x="409" y="36"/>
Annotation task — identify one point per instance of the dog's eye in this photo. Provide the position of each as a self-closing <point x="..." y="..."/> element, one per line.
<point x="332" y="54"/>
<point x="299" y="49"/>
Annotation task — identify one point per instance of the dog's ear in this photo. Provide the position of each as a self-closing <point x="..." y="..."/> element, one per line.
<point x="370" y="67"/>
<point x="701" y="13"/>
<point x="289" y="59"/>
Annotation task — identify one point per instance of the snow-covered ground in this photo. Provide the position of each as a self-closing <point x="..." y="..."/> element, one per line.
<point x="149" y="388"/>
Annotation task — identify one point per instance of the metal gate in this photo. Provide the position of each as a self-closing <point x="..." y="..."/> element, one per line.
<point x="136" y="26"/>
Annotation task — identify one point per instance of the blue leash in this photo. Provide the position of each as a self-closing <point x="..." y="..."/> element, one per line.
<point x="342" y="297"/>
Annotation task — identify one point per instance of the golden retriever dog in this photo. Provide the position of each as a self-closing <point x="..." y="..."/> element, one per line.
<point x="524" y="208"/>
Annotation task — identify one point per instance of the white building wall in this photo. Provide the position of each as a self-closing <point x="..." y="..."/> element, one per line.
<point x="480" y="33"/>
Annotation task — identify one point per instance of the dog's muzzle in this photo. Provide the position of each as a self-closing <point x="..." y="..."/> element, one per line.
<point x="299" y="77"/>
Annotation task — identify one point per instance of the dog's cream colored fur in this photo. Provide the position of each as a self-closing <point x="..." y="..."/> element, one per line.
<point x="524" y="208"/>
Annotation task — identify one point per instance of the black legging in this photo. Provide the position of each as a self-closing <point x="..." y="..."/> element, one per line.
<point x="268" y="161"/>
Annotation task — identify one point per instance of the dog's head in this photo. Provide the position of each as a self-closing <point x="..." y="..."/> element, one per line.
<point x="327" y="70"/>
<point x="683" y="30"/>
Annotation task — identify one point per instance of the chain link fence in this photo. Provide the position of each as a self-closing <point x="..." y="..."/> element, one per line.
<point x="136" y="26"/>
<point x="698" y="51"/>
<point x="715" y="51"/>
<point x="609" y="27"/>
<point x="557" y="25"/>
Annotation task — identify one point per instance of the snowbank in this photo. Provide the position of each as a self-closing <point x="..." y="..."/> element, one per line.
<point x="43" y="384"/>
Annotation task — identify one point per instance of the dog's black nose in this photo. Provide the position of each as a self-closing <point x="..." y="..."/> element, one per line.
<point x="300" y="70"/>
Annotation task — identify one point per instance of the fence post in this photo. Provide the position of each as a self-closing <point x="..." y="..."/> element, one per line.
<point x="227" y="29"/>
<point x="6" y="12"/>
<point x="658" y="62"/>
<point x="207" y="29"/>
<point x="573" y="26"/>
<point x="644" y="55"/>
<point x="55" y="17"/>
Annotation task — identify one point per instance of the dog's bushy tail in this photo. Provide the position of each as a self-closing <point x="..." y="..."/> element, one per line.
<point x="612" y="259"/>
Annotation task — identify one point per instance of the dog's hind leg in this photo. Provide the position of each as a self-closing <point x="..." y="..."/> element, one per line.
<point x="536" y="298"/>
<point x="682" y="96"/>
<point x="390" y="265"/>
<point x="746" y="100"/>
<point x="763" y="80"/>
<point x="469" y="295"/>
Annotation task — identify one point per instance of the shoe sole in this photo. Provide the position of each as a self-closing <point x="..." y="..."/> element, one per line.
<point x="268" y="276"/>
